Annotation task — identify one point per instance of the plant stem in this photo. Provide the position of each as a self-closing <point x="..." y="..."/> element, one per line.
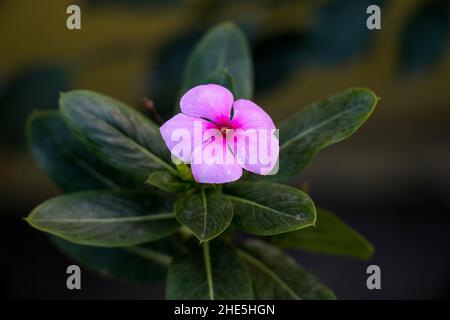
<point x="208" y="269"/>
<point x="161" y="258"/>
<point x="149" y="105"/>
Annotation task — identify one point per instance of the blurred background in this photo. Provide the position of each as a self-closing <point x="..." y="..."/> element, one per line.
<point x="390" y="181"/>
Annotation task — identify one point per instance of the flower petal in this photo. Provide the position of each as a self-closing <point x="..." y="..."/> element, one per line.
<point x="248" y="115"/>
<point x="210" y="101"/>
<point x="258" y="150"/>
<point x="178" y="134"/>
<point x="257" y="145"/>
<point x="208" y="167"/>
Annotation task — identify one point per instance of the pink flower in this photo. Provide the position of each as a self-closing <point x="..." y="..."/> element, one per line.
<point x="219" y="136"/>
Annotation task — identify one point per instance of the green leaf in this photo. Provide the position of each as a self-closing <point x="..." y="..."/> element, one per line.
<point x="266" y="208"/>
<point x="184" y="172"/>
<point x="222" y="77"/>
<point x="277" y="276"/>
<point x="118" y="134"/>
<point x="167" y="182"/>
<point x="140" y="264"/>
<point x="222" y="56"/>
<point x="211" y="271"/>
<point x="330" y="235"/>
<point x="65" y="159"/>
<point x="207" y="213"/>
<point x="319" y="125"/>
<point x="105" y="218"/>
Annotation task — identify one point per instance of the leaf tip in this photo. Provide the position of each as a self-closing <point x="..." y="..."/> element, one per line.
<point x="28" y="220"/>
<point x="149" y="179"/>
<point x="228" y="24"/>
<point x="370" y="251"/>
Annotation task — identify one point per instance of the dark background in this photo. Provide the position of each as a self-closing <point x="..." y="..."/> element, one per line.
<point x="390" y="181"/>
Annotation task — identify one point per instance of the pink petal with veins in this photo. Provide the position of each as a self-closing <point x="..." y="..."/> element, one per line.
<point x="209" y="170"/>
<point x="210" y="101"/>
<point x="257" y="145"/>
<point x="248" y="115"/>
<point x="178" y="134"/>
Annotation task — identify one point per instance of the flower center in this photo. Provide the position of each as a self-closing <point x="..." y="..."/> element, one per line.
<point x="225" y="127"/>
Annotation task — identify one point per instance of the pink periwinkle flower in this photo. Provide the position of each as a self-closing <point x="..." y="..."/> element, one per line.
<point x="220" y="137"/>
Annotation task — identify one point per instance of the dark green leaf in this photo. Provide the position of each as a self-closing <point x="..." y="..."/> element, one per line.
<point x="330" y="235"/>
<point x="65" y="159"/>
<point x="222" y="77"/>
<point x="118" y="134"/>
<point x="211" y="271"/>
<point x="319" y="125"/>
<point x="207" y="213"/>
<point x="222" y="53"/>
<point x="105" y="218"/>
<point x="144" y="263"/>
<point x="167" y="182"/>
<point x="266" y="208"/>
<point x="277" y="276"/>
